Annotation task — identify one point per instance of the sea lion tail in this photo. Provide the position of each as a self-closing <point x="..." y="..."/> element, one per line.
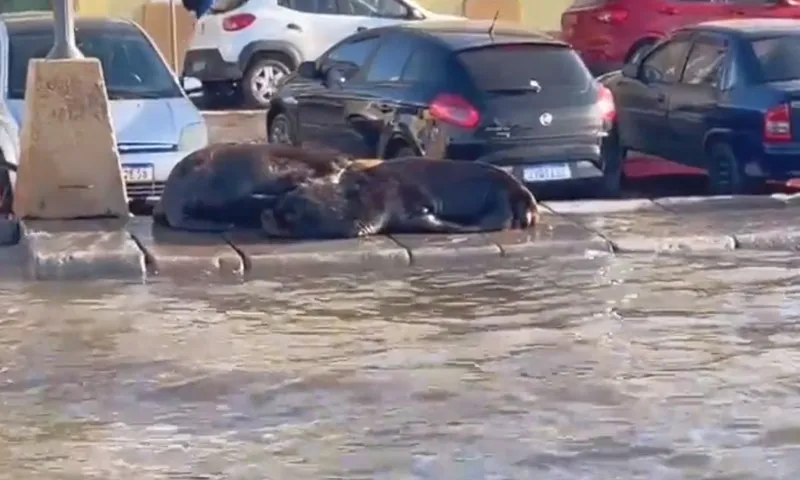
<point x="524" y="207"/>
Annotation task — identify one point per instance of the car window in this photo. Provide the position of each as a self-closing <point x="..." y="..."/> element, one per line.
<point x="522" y="66"/>
<point x="665" y="62"/>
<point x="387" y="65"/>
<point x="131" y="66"/>
<point x="351" y="56"/>
<point x="778" y="58"/>
<point x="374" y="8"/>
<point x="425" y="66"/>
<point x="328" y="7"/>
<point x="704" y="65"/>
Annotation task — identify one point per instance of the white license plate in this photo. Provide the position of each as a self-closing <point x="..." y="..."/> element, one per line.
<point x="545" y="173"/>
<point x="138" y="173"/>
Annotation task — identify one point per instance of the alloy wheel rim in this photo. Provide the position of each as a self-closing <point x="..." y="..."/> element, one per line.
<point x="279" y="133"/>
<point x="265" y="81"/>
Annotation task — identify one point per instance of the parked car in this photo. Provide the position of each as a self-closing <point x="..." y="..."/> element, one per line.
<point x="245" y="47"/>
<point x="722" y="96"/>
<point x="155" y="123"/>
<point x="608" y="33"/>
<point x="471" y="90"/>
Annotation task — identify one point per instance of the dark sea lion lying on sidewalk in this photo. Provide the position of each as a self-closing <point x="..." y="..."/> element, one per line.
<point x="471" y="194"/>
<point x="229" y="184"/>
<point x="403" y="196"/>
<point x="362" y="203"/>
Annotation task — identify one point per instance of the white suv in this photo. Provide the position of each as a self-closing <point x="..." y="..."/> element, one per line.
<point x="244" y="47"/>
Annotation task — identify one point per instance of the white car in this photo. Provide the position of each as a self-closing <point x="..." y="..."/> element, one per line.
<point x="155" y="123"/>
<point x="244" y="47"/>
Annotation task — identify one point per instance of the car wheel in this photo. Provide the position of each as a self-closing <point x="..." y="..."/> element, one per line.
<point x="640" y="51"/>
<point x="725" y="172"/>
<point x="613" y="155"/>
<point x="261" y="80"/>
<point x="280" y="130"/>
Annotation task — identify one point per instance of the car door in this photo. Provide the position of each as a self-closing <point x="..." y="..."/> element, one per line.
<point x="643" y="100"/>
<point x="314" y="25"/>
<point x="375" y="13"/>
<point x="377" y="96"/>
<point x="762" y="8"/>
<point x="693" y="100"/>
<point x="321" y="109"/>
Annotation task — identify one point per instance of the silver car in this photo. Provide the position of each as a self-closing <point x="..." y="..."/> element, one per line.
<point x="155" y="122"/>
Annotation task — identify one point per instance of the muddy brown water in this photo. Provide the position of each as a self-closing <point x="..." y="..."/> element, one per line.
<point x="591" y="367"/>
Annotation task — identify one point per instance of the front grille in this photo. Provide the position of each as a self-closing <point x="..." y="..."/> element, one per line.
<point x="144" y="190"/>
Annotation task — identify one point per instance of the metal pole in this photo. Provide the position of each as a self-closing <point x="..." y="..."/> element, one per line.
<point x="64" y="30"/>
<point x="173" y="36"/>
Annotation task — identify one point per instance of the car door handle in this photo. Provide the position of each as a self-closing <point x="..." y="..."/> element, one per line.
<point x="384" y="107"/>
<point x="294" y="26"/>
<point x="739" y="13"/>
<point x="661" y="97"/>
<point x="668" y="11"/>
<point x="361" y="29"/>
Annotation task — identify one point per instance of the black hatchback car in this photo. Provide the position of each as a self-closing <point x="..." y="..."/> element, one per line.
<point x="466" y="90"/>
<point x="722" y="96"/>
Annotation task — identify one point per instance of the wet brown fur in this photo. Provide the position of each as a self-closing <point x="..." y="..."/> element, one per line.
<point x="228" y="184"/>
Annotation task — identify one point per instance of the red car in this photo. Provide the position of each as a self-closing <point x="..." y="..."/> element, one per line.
<point x="609" y="33"/>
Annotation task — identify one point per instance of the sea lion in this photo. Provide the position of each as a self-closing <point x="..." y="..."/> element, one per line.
<point x="466" y="193"/>
<point x="228" y="184"/>
<point x="364" y="202"/>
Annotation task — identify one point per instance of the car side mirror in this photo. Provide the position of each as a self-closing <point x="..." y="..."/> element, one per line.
<point x="630" y="70"/>
<point x="307" y="70"/>
<point x="414" y="14"/>
<point x="191" y="85"/>
<point x="335" y="77"/>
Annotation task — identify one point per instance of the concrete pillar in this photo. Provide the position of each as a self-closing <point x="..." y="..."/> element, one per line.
<point x="69" y="166"/>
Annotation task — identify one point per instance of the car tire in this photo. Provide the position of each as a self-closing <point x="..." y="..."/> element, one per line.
<point x="261" y="79"/>
<point x="613" y="155"/>
<point x="726" y="174"/>
<point x="281" y="131"/>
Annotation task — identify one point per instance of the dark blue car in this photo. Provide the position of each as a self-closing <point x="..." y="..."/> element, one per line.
<point x="722" y="96"/>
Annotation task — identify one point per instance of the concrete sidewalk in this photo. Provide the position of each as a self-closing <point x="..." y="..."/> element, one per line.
<point x="139" y="250"/>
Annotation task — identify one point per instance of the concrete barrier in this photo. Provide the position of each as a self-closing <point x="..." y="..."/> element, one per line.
<point x="69" y="164"/>
<point x="136" y="249"/>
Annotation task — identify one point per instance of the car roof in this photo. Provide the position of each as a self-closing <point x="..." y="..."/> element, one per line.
<point x="465" y="34"/>
<point x="42" y="21"/>
<point x="750" y="28"/>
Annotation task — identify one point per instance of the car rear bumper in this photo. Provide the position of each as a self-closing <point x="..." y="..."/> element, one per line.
<point x="575" y="161"/>
<point x="207" y="65"/>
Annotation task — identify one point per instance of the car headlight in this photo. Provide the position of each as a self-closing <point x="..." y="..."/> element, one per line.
<point x="193" y="137"/>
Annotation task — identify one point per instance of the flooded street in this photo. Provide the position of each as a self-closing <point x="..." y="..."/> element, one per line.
<point x="598" y="367"/>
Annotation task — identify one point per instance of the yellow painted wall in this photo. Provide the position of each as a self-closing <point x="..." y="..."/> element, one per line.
<point x="540" y="14"/>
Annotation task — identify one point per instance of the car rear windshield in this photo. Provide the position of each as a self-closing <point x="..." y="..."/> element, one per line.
<point x="131" y="66"/>
<point x="778" y="57"/>
<point x="520" y="66"/>
<point x="224" y="6"/>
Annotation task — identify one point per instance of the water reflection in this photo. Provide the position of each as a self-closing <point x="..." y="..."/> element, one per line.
<point x="598" y="367"/>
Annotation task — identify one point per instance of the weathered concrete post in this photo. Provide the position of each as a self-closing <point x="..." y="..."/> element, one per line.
<point x="69" y="164"/>
<point x="69" y="168"/>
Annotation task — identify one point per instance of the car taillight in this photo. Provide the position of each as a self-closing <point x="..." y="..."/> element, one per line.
<point x="238" y="22"/>
<point x="614" y="15"/>
<point x="456" y="110"/>
<point x="605" y="105"/>
<point x="778" y="124"/>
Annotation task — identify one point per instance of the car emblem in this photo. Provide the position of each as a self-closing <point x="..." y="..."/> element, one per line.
<point x="535" y="86"/>
<point x="545" y="119"/>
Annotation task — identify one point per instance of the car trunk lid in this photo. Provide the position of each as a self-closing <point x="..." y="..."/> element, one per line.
<point x="532" y="91"/>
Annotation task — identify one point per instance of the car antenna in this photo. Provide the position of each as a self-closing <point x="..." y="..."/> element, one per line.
<point x="494" y="22"/>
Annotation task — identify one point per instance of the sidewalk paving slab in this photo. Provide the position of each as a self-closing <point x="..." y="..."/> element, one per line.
<point x="80" y="249"/>
<point x="264" y="258"/>
<point x="553" y="235"/>
<point x="596" y="207"/>
<point x="178" y="253"/>
<point x="430" y="250"/>
<point x="701" y="204"/>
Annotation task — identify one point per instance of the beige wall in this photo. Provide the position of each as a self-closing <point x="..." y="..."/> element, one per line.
<point x="541" y="14"/>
